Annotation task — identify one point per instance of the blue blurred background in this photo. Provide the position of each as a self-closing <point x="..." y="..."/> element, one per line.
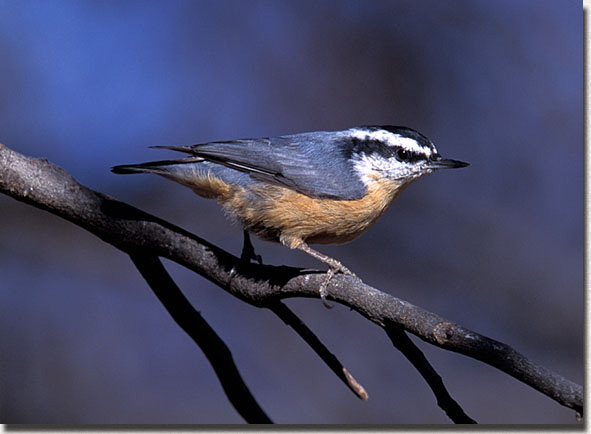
<point x="497" y="247"/>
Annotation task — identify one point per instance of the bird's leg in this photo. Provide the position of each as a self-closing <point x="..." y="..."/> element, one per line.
<point x="246" y="255"/>
<point x="323" y="285"/>
<point x="248" y="252"/>
<point x="333" y="267"/>
<point x="331" y="262"/>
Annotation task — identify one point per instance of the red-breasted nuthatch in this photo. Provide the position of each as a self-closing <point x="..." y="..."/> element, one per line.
<point x="320" y="187"/>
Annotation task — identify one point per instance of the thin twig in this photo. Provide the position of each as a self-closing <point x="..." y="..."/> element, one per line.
<point x="415" y="356"/>
<point x="292" y="320"/>
<point x="191" y="321"/>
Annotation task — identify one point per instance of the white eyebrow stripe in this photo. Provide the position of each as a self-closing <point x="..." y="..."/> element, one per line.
<point x="391" y="139"/>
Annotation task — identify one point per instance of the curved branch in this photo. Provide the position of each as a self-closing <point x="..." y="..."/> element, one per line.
<point x="292" y="320"/>
<point x="46" y="186"/>
<point x="403" y="343"/>
<point x="205" y="337"/>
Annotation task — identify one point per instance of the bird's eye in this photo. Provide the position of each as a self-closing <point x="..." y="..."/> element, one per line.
<point x="403" y="155"/>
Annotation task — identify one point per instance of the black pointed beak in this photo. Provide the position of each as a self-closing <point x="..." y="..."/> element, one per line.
<point x="445" y="163"/>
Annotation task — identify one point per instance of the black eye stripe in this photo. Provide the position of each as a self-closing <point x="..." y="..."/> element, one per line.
<point x="370" y="146"/>
<point x="358" y="146"/>
<point x="406" y="156"/>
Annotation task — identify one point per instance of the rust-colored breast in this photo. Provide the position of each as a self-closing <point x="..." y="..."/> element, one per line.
<point x="281" y="214"/>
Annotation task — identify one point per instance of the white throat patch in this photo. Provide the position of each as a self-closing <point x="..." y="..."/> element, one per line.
<point x="372" y="168"/>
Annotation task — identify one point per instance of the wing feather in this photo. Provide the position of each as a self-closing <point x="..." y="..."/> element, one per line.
<point x="311" y="163"/>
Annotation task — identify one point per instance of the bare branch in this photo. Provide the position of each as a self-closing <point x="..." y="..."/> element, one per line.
<point x="292" y="320"/>
<point x="403" y="343"/>
<point x="205" y="337"/>
<point x="43" y="185"/>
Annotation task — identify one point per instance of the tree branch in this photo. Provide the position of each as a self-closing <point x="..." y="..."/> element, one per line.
<point x="292" y="320"/>
<point x="46" y="186"/>
<point x="403" y="343"/>
<point x="205" y="337"/>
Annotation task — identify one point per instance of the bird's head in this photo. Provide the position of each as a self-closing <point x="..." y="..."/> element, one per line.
<point x="392" y="153"/>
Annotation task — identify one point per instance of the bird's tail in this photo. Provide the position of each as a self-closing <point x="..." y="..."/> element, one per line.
<point x="159" y="167"/>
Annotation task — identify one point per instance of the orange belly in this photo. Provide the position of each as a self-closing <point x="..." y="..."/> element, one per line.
<point x="281" y="214"/>
<point x="276" y="213"/>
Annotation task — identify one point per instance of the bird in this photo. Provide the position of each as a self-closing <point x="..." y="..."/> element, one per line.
<point x="320" y="187"/>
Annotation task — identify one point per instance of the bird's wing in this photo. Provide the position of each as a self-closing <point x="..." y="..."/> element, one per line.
<point x="308" y="163"/>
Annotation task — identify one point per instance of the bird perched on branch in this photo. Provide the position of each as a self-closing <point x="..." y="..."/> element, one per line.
<point x="324" y="187"/>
